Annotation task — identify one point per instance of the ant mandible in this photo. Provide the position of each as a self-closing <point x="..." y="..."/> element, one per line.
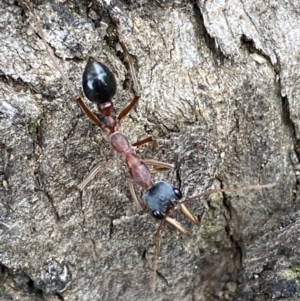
<point x="99" y="86"/>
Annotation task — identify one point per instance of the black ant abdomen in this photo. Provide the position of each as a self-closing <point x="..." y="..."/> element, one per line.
<point x="98" y="82"/>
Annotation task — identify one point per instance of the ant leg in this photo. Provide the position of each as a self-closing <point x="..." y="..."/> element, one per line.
<point x="159" y="166"/>
<point x="137" y="96"/>
<point x="94" y="172"/>
<point x="133" y="194"/>
<point x="156" y="235"/>
<point x="131" y="69"/>
<point x="147" y="140"/>
<point x="128" y="61"/>
<point x="128" y="108"/>
<point x="156" y="252"/>
<point x="143" y="141"/>
<point x="91" y="116"/>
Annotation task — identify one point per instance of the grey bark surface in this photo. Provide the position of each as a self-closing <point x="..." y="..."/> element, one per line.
<point x="220" y="87"/>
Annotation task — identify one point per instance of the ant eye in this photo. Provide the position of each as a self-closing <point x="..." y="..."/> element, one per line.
<point x="157" y="214"/>
<point x="178" y="193"/>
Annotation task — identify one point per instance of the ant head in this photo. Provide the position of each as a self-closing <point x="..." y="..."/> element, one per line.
<point x="161" y="197"/>
<point x="98" y="82"/>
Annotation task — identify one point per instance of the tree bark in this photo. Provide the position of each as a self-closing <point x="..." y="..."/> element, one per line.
<point x="220" y="87"/>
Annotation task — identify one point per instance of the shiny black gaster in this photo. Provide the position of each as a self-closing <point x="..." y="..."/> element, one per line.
<point x="98" y="82"/>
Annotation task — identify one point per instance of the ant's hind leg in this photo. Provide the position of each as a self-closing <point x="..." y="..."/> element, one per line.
<point x="132" y="73"/>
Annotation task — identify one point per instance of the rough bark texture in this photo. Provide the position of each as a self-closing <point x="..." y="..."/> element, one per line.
<point x="220" y="85"/>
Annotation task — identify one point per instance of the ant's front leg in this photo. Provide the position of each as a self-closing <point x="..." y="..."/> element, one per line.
<point x="134" y="196"/>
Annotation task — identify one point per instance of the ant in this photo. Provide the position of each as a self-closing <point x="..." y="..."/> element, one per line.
<point x="99" y="86"/>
